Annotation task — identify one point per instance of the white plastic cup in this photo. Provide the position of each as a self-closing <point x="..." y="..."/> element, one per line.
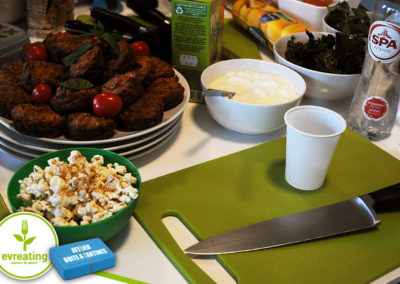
<point x="312" y="134"/>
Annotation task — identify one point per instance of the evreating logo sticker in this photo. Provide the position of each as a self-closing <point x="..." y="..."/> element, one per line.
<point x="25" y="240"/>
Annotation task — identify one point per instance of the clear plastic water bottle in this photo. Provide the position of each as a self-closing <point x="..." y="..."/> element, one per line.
<point x="374" y="107"/>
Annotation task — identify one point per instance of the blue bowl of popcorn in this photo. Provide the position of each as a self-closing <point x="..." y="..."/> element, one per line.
<point x="84" y="192"/>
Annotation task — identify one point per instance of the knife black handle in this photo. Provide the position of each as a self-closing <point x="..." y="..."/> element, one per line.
<point x="77" y="27"/>
<point x="387" y="199"/>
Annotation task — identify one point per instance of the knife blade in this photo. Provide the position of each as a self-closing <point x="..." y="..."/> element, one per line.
<point x="351" y="215"/>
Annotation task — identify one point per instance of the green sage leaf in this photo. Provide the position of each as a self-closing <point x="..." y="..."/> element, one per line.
<point x="101" y="26"/>
<point x="117" y="37"/>
<point x="77" y="84"/>
<point x="111" y="40"/>
<point x="86" y="35"/>
<point x="72" y="57"/>
<point x="96" y="33"/>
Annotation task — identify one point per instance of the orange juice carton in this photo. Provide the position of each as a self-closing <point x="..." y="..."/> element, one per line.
<point x="197" y="29"/>
<point x="264" y="20"/>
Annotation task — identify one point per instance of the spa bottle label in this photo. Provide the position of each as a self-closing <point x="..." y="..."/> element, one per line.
<point x="384" y="41"/>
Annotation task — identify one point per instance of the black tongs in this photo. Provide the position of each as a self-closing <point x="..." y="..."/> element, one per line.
<point x="156" y="37"/>
<point x="158" y="41"/>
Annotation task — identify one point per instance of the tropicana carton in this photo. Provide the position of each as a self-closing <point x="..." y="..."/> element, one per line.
<point x="264" y="20"/>
<point x="197" y="29"/>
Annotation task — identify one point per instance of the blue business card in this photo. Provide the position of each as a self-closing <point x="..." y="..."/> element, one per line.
<point x="81" y="258"/>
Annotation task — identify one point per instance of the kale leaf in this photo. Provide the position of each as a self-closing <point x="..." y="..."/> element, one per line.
<point x="350" y="21"/>
<point x="338" y="54"/>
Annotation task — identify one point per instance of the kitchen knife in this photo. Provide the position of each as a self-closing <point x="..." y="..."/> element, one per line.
<point x="351" y="215"/>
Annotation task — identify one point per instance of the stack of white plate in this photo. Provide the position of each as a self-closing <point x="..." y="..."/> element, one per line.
<point x="130" y="144"/>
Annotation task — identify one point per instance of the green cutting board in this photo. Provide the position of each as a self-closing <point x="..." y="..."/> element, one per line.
<point x="249" y="186"/>
<point x="3" y="208"/>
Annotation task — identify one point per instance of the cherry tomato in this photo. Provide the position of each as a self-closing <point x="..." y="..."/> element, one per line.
<point x="140" y="48"/>
<point x="94" y="39"/>
<point x="36" y="53"/>
<point x="106" y="104"/>
<point x="42" y="93"/>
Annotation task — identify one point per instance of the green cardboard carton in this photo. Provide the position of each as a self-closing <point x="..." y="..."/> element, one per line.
<point x="197" y="29"/>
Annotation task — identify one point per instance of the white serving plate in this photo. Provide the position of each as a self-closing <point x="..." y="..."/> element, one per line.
<point x="168" y="117"/>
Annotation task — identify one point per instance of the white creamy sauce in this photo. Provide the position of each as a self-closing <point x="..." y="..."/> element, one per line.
<point x="255" y="87"/>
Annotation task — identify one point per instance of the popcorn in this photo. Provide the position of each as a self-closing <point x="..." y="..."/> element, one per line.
<point x="78" y="192"/>
<point x="117" y="207"/>
<point x="57" y="184"/>
<point x="83" y="195"/>
<point x="80" y="210"/>
<point x="125" y="198"/>
<point x="41" y="205"/>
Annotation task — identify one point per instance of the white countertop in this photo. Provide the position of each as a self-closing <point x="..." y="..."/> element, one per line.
<point x="198" y="139"/>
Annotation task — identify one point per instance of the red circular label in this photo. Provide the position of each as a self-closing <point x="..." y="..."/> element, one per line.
<point x="375" y="108"/>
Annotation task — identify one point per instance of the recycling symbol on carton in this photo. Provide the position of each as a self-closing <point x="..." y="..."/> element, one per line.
<point x="179" y="10"/>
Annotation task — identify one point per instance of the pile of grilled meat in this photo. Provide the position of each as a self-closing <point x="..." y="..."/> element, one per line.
<point x="147" y="85"/>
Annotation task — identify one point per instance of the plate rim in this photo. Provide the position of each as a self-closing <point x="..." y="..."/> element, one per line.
<point x="162" y="142"/>
<point x="45" y="149"/>
<point x="151" y="149"/>
<point x="127" y="151"/>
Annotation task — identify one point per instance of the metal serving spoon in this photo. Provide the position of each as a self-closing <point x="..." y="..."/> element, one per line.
<point x="218" y="93"/>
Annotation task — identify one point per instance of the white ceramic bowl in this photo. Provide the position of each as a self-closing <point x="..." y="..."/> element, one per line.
<point x="309" y="15"/>
<point x="329" y="29"/>
<point x="250" y="118"/>
<point x="320" y="85"/>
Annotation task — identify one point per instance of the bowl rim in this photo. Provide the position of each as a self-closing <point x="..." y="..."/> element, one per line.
<point x="101" y="152"/>
<point x="280" y="40"/>
<point x="294" y="72"/>
<point x="302" y="3"/>
<point x="324" y="22"/>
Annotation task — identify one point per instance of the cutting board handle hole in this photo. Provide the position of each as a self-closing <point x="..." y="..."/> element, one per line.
<point x="184" y="238"/>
